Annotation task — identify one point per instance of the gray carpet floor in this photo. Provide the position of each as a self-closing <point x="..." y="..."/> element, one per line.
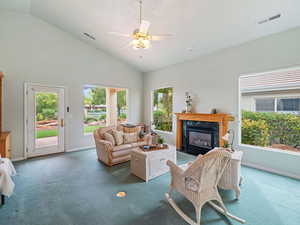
<point x="75" y="189"/>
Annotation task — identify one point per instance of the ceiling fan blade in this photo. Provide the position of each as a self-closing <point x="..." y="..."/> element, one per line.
<point x="119" y="34"/>
<point x="161" y="37"/>
<point x="144" y="27"/>
<point x="127" y="45"/>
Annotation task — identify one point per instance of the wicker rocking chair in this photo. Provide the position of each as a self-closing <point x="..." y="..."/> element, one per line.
<point x="198" y="183"/>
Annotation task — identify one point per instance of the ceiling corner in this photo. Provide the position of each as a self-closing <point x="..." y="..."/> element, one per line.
<point x="22" y="6"/>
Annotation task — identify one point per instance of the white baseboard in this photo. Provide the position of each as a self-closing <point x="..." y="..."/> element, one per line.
<point x="18" y="159"/>
<point x="68" y="150"/>
<point x="81" y="148"/>
<point x="255" y="166"/>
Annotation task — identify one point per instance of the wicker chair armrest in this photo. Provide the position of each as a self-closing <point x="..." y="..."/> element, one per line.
<point x="174" y="169"/>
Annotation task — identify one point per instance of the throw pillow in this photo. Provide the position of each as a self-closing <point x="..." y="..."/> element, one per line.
<point x="110" y="138"/>
<point x="130" y="138"/>
<point x="118" y="135"/>
<point x="132" y="129"/>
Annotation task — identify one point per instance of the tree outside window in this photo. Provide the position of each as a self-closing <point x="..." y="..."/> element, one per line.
<point x="46" y="114"/>
<point x="96" y="106"/>
<point x="163" y="109"/>
<point x="122" y="105"/>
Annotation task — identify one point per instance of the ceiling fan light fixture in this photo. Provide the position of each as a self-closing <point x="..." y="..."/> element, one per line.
<point x="141" y="39"/>
<point x="140" y="43"/>
<point x="147" y="44"/>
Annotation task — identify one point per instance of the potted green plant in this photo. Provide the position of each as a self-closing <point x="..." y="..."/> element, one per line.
<point x="160" y="141"/>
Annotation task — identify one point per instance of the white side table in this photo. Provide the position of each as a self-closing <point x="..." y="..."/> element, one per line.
<point x="151" y="164"/>
<point x="231" y="178"/>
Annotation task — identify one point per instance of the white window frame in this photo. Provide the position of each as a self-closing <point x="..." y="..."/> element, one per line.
<point x="239" y="122"/>
<point x="288" y="97"/>
<point x="275" y="102"/>
<point x="152" y="107"/>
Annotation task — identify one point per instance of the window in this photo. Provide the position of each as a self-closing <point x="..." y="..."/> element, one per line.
<point x="122" y="105"/>
<point x="288" y="105"/>
<point x="162" y="109"/>
<point x="104" y="106"/>
<point x="265" y="105"/>
<point x="281" y="105"/>
<point x="270" y="110"/>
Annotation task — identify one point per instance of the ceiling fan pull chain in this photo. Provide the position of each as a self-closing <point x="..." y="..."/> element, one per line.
<point x="141" y="2"/>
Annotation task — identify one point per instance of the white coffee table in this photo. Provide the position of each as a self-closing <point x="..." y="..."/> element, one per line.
<point x="150" y="164"/>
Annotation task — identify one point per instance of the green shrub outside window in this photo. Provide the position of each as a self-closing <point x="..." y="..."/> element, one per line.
<point x="268" y="128"/>
<point x="163" y="109"/>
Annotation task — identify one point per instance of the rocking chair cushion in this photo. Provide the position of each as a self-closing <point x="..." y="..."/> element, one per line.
<point x="191" y="184"/>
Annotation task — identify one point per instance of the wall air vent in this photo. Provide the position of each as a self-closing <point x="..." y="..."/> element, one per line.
<point x="277" y="16"/>
<point x="89" y="36"/>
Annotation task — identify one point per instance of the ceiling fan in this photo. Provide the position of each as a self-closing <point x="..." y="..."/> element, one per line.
<point x="141" y="39"/>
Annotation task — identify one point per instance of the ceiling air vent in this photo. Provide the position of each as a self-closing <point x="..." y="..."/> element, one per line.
<point x="89" y="36"/>
<point x="277" y="16"/>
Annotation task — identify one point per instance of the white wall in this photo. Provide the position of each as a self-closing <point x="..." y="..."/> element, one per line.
<point x="34" y="51"/>
<point x="248" y="103"/>
<point x="213" y="80"/>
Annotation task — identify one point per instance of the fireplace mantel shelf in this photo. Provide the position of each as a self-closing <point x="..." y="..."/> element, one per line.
<point x="220" y="118"/>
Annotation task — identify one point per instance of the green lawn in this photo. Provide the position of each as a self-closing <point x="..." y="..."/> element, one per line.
<point x="54" y="132"/>
<point x="90" y="129"/>
<point x="46" y="133"/>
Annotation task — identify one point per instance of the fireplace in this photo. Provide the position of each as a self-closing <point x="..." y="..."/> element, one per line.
<point x="199" y="137"/>
<point x="198" y="133"/>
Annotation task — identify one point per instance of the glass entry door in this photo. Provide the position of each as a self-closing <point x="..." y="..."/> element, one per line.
<point x="45" y="120"/>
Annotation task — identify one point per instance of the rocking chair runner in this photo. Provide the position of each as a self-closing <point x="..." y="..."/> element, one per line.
<point x="198" y="183"/>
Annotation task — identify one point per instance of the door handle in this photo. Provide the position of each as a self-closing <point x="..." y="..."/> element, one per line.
<point x="62" y="123"/>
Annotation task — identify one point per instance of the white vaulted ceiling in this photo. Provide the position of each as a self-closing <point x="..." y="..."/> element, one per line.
<point x="199" y="26"/>
<point x="22" y="6"/>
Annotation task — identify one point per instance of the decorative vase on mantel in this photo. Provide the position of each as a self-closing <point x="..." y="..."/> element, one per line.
<point x="188" y="103"/>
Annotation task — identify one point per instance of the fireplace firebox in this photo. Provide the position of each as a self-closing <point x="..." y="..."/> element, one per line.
<point x="199" y="137"/>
